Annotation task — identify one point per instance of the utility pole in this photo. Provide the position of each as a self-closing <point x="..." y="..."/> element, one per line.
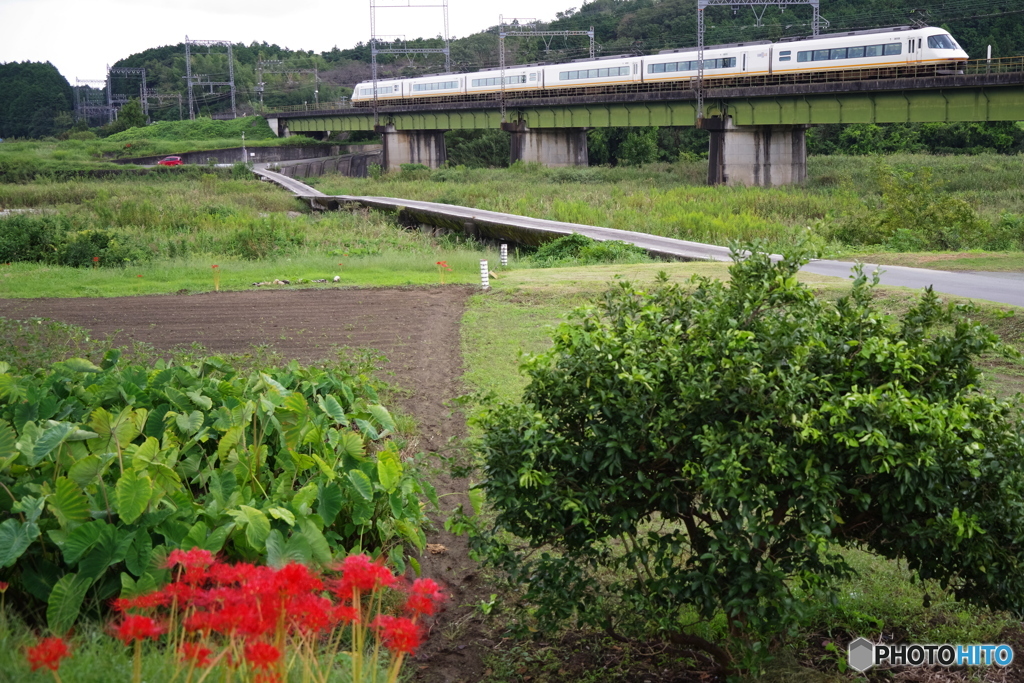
<point x="817" y="23"/>
<point x="516" y="28"/>
<point x="261" y="69"/>
<point x="375" y="39"/>
<point x="190" y="77"/>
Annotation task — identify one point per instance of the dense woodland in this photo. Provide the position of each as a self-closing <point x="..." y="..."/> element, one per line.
<point x="36" y="101"/>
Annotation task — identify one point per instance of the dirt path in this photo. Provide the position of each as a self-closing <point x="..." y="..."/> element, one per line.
<point x="417" y="329"/>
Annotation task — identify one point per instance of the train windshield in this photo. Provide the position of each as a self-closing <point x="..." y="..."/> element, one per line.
<point x="941" y="42"/>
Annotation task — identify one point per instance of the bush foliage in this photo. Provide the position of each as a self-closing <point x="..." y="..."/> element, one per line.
<point x="106" y="469"/>
<point x="708" y="451"/>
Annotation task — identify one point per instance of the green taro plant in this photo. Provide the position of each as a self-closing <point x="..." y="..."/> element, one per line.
<point x="105" y="469"/>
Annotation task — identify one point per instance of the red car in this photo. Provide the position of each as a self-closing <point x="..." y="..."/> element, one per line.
<point x="170" y="161"/>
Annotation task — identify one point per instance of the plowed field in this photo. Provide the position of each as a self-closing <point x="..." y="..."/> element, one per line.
<point x="418" y="331"/>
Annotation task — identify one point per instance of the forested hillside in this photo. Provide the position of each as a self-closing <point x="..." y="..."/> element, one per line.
<point x="34" y="97"/>
<point x="641" y="26"/>
<point x="35" y="100"/>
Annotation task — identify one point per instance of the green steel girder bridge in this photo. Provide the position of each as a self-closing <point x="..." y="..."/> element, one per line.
<point x="757" y="126"/>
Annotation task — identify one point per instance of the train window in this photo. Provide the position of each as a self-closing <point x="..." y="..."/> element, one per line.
<point x="441" y="85"/>
<point x="655" y="68"/>
<point x="910" y="45"/>
<point x="785" y="55"/>
<point x="855" y="53"/>
<point x="821" y="55"/>
<point x="838" y="53"/>
<point x="533" y="77"/>
<point x="875" y="50"/>
<point x="941" y="42"/>
<point x="894" y="49"/>
<point x="804" y="56"/>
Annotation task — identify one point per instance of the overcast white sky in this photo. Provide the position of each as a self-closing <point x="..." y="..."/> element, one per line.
<point x="81" y="37"/>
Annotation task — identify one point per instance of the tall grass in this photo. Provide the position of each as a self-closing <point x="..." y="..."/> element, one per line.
<point x="673" y="200"/>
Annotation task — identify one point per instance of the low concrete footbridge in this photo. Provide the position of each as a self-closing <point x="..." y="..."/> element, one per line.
<point x="757" y="124"/>
<point x="532" y="231"/>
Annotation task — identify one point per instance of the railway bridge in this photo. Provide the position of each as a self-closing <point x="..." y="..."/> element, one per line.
<point x="757" y="126"/>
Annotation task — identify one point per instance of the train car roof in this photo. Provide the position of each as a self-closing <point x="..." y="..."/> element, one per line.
<point x="597" y="59"/>
<point x="714" y="47"/>
<point x="845" y="34"/>
<point x="515" y="66"/>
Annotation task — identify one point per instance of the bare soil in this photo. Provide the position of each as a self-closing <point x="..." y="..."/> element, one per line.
<point x="416" y="328"/>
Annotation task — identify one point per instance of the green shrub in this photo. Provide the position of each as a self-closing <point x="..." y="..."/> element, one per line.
<point x="579" y="249"/>
<point x="105" y="469"/>
<point x="705" y="452"/>
<point x="915" y="215"/>
<point x="263" y="238"/>
<point x="99" y="248"/>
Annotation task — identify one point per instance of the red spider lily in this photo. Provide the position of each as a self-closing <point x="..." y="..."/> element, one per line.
<point x="295" y="579"/>
<point x="95" y="259"/>
<point x="138" y="276"/>
<point x="136" y="628"/>
<point x="262" y="655"/>
<point x="444" y="264"/>
<point x="400" y="634"/>
<point x="424" y="597"/>
<point x="148" y="601"/>
<point x="47" y="654"/>
<point x="194" y="652"/>
<point x="215" y="266"/>
<point x="310" y="613"/>
<point x="346" y="614"/>
<point x="360" y="573"/>
<point x="4" y="586"/>
<point x="190" y="559"/>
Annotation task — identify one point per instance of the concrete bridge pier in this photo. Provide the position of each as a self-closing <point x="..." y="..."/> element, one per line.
<point x="766" y="156"/>
<point x="548" y="146"/>
<point x="412" y="147"/>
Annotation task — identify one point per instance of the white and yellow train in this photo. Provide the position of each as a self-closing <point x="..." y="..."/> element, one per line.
<point x="894" y="50"/>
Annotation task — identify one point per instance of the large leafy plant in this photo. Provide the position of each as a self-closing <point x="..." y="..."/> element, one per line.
<point x="105" y="469"/>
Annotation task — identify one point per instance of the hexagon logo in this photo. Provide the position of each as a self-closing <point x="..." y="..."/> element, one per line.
<point x="861" y="654"/>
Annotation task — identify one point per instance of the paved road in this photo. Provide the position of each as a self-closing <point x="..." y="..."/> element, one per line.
<point x="998" y="287"/>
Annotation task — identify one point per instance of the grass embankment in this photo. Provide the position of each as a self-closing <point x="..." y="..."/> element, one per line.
<point x="519" y="315"/>
<point x="981" y="196"/>
<point x="175" y="229"/>
<point x="25" y="160"/>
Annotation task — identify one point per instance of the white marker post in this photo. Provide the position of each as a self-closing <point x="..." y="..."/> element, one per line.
<point x="504" y="255"/>
<point x="485" y="279"/>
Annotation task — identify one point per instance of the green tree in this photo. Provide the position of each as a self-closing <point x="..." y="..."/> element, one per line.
<point x="640" y="147"/>
<point x="710" y="448"/>
<point x="33" y="97"/>
<point x="129" y="116"/>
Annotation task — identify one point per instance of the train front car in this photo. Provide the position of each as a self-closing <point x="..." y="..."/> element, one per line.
<point x="878" y="53"/>
<point x="940" y="49"/>
<point x="362" y="94"/>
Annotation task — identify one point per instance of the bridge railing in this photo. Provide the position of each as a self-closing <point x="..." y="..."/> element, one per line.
<point x="310" y="106"/>
<point x="973" y="67"/>
<point x="1001" y="65"/>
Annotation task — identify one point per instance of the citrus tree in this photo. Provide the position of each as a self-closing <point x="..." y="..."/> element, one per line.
<point x="709" y="449"/>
